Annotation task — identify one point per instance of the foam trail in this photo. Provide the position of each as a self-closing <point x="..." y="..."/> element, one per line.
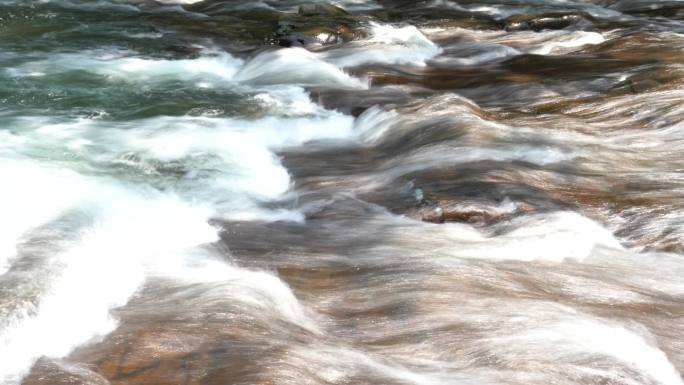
<point x="123" y="65"/>
<point x="253" y="287"/>
<point x="474" y="47"/>
<point x="295" y="66"/>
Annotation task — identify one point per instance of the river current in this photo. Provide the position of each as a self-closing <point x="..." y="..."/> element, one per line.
<point x="352" y="192"/>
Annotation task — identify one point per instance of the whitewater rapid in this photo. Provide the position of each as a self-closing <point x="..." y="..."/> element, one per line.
<point x="166" y="203"/>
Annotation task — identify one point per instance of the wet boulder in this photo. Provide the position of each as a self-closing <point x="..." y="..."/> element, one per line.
<point x="297" y="34"/>
<point x="316" y="25"/>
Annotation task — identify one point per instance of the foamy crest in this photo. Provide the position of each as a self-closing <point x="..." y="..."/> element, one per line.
<point x="563" y="42"/>
<point x="386" y="45"/>
<point x="224" y="160"/>
<point x="294" y="66"/>
<point x="30" y="196"/>
<point x="570" y="338"/>
<point x="133" y="231"/>
<point x="256" y="288"/>
<point x="549" y="237"/>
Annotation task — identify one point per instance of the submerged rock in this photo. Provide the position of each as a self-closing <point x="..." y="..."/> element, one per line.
<point x="468" y="212"/>
<point x="54" y="372"/>
<point x="321" y="10"/>
<point x="669" y="9"/>
<point x="539" y="22"/>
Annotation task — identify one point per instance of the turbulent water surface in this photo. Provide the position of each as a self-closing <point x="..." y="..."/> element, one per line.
<point x="356" y="192"/>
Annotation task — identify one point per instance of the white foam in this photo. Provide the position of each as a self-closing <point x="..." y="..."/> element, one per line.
<point x="387" y="45"/>
<point x="122" y="65"/>
<point x="471" y="47"/>
<point x="294" y="66"/>
<point x="239" y="151"/>
<point x="139" y="231"/>
<point x="488" y="53"/>
<point x="144" y="35"/>
<point x="541" y="237"/>
<point x="374" y="123"/>
<point x="565" y="41"/>
<point x="565" y="340"/>
<point x="287" y="101"/>
<point x="132" y="231"/>
<point x="136" y="230"/>
<point x="448" y="154"/>
<point x="30" y="196"/>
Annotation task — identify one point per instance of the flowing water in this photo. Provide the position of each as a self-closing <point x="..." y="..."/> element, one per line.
<point x="358" y="192"/>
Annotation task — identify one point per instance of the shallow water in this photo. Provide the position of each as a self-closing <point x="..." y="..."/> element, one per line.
<point x="380" y="192"/>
